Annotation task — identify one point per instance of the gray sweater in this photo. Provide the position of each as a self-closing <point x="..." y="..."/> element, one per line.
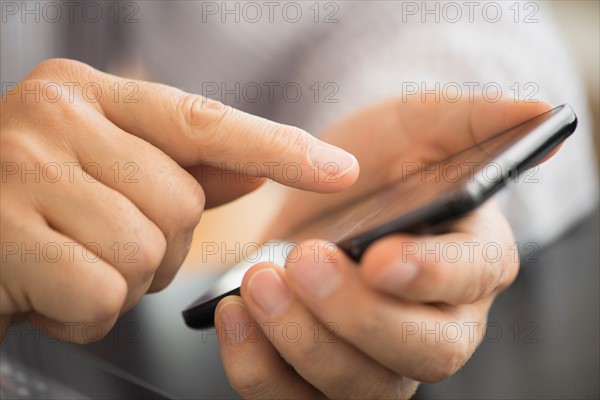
<point x="307" y="64"/>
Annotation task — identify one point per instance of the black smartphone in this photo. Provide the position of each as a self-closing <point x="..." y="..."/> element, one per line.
<point x="426" y="199"/>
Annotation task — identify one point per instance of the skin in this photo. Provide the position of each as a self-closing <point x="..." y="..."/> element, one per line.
<point x="176" y="141"/>
<point x="376" y="309"/>
<point x="361" y="348"/>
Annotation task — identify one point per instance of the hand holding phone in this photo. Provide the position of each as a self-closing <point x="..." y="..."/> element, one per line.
<point x="424" y="201"/>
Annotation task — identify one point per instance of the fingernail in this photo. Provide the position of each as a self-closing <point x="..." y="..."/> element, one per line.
<point x="236" y="321"/>
<point x="398" y="275"/>
<point x="326" y="156"/>
<point x="269" y="292"/>
<point x="318" y="279"/>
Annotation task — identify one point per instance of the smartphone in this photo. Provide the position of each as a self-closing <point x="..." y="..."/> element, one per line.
<point x="428" y="198"/>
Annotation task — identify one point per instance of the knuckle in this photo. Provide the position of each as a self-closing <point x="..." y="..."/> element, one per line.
<point x="21" y="149"/>
<point x="406" y="387"/>
<point x="63" y="70"/>
<point x="471" y="292"/>
<point x="490" y="275"/>
<point x="459" y="354"/>
<point x="508" y="270"/>
<point x="191" y="206"/>
<point x="46" y="100"/>
<point x="250" y="382"/>
<point x="90" y="332"/>
<point x="491" y="272"/>
<point x="58" y="67"/>
<point x="308" y="352"/>
<point x="471" y="285"/>
<point x="289" y="137"/>
<point x="196" y="207"/>
<point x="45" y="87"/>
<point x="389" y="386"/>
<point x="142" y="244"/>
<point x="107" y="299"/>
<point x="445" y="362"/>
<point x="197" y="120"/>
<point x="150" y="250"/>
<point x="198" y="113"/>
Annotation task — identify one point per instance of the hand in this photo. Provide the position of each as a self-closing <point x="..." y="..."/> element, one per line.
<point x="105" y="179"/>
<point x="326" y="326"/>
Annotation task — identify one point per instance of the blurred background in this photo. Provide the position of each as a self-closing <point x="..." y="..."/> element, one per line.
<point x="579" y="23"/>
<point x="544" y="332"/>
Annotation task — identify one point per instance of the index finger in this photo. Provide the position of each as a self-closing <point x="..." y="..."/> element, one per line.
<point x="194" y="130"/>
